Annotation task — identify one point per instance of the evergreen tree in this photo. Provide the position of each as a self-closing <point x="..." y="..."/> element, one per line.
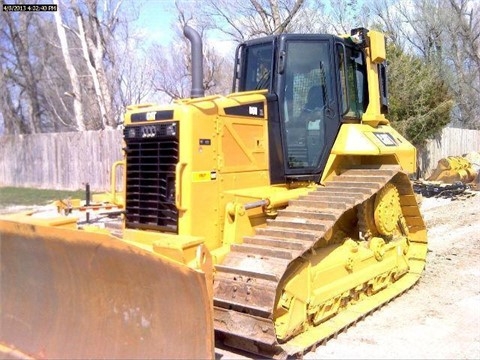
<point x="419" y="101"/>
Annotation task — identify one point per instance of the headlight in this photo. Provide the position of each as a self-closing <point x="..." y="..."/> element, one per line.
<point x="171" y="130"/>
<point x="131" y="133"/>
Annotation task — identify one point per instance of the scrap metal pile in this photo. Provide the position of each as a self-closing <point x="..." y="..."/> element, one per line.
<point x="455" y="177"/>
<point x="442" y="190"/>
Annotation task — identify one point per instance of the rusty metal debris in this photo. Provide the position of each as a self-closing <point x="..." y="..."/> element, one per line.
<point x="455" y="191"/>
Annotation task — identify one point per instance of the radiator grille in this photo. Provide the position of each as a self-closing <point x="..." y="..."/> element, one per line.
<point x="150" y="177"/>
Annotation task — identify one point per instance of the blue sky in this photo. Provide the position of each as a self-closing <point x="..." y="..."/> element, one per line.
<point x="156" y="17"/>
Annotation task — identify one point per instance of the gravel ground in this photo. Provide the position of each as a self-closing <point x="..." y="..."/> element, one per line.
<point x="439" y="318"/>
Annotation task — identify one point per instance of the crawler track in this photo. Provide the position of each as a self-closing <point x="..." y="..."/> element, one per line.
<point x="247" y="283"/>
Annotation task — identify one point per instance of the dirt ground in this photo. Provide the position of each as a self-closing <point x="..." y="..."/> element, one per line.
<point x="439" y="318"/>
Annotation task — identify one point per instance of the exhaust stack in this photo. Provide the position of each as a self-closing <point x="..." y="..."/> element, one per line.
<point x="197" y="61"/>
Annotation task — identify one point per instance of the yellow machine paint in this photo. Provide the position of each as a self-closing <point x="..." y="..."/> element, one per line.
<point x="275" y="267"/>
<point x="69" y="293"/>
<point x="454" y="168"/>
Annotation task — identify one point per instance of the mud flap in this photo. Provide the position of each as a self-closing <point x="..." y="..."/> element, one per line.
<point x="73" y="294"/>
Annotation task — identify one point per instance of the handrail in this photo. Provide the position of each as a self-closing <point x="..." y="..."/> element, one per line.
<point x="178" y="185"/>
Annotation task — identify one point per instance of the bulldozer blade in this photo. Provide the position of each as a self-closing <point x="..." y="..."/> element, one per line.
<point x="68" y="293"/>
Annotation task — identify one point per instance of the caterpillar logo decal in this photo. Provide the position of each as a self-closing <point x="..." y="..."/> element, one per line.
<point x="386" y="138"/>
<point x="152" y="115"/>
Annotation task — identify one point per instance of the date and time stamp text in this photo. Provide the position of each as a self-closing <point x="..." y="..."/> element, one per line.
<point x="29" y="7"/>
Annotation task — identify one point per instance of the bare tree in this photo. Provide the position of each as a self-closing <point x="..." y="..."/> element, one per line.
<point x="134" y="78"/>
<point x="72" y="71"/>
<point x="445" y="33"/>
<point x="94" y="29"/>
<point x="34" y="77"/>
<point x="253" y="18"/>
<point x="171" y="72"/>
<point x="23" y="98"/>
<point x="58" y="69"/>
<point x="8" y="108"/>
<point x="345" y="15"/>
<point x="463" y="39"/>
<point x="132" y="73"/>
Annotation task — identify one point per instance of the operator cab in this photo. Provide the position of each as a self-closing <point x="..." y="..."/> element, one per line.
<point x="314" y="82"/>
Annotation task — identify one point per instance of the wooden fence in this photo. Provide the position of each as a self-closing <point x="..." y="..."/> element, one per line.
<point x="452" y="142"/>
<point x="60" y="160"/>
<point x="70" y="160"/>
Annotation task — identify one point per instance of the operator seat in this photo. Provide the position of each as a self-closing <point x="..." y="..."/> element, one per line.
<point x="314" y="99"/>
<point x="314" y="117"/>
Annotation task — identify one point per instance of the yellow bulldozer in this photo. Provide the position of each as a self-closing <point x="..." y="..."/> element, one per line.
<point x="268" y="220"/>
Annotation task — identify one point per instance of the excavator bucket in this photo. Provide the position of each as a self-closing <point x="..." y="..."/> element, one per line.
<point x="72" y="294"/>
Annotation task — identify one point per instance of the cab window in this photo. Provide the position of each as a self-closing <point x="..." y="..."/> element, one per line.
<point x="307" y="90"/>
<point x="353" y="82"/>
<point x="258" y="66"/>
